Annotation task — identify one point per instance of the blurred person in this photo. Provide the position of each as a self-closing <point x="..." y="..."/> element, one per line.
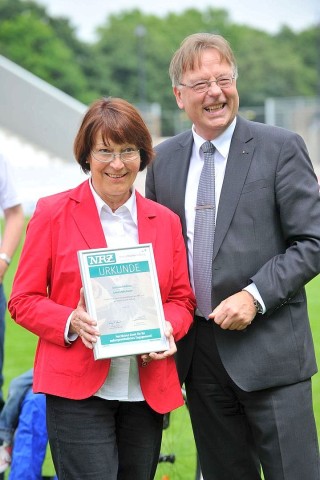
<point x="104" y="417"/>
<point x="9" y="240"/>
<point x="9" y="416"/>
<point x="248" y="361"/>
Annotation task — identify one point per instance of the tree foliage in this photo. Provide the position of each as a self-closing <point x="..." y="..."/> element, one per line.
<point x="46" y="47"/>
<point x="131" y="54"/>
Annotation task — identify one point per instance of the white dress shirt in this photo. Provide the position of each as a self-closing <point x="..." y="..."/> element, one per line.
<point x="222" y="145"/>
<point x="121" y="230"/>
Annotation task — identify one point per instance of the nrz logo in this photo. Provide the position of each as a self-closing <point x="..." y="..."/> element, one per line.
<point x="102" y="259"/>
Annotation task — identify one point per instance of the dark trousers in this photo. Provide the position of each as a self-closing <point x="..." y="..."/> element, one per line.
<point x="102" y="439"/>
<point x="235" y="431"/>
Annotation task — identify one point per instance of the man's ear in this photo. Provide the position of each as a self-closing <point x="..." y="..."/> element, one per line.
<point x="177" y="94"/>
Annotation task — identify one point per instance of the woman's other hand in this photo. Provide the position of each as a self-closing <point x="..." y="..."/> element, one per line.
<point x="148" y="357"/>
<point x="83" y="325"/>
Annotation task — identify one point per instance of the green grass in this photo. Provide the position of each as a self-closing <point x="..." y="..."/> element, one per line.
<point x="313" y="293"/>
<point x="19" y="353"/>
<point x="177" y="441"/>
<point x="19" y="343"/>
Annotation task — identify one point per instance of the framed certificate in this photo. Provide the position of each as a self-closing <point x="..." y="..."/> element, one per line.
<point x="122" y="294"/>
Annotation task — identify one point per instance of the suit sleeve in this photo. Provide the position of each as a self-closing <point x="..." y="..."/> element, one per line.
<point x="149" y="185"/>
<point x="298" y="208"/>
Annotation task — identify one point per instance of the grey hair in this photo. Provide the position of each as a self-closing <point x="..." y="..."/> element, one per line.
<point x="188" y="56"/>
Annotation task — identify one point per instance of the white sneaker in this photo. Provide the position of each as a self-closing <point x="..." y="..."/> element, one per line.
<point x="5" y="456"/>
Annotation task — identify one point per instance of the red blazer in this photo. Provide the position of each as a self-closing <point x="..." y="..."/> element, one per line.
<point x="47" y="285"/>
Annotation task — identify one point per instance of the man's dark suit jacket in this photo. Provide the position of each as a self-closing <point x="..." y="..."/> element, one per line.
<point x="267" y="232"/>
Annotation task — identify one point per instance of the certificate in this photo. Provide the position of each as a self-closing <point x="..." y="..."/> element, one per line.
<point x="122" y="294"/>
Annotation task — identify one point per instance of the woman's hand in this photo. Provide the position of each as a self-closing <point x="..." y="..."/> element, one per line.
<point x="148" y="357"/>
<point x="83" y="325"/>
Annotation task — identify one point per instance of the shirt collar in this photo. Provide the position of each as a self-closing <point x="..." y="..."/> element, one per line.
<point x="129" y="206"/>
<point x="222" y="142"/>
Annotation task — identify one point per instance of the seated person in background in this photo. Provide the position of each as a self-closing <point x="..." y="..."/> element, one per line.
<point x="9" y="416"/>
<point x="31" y="441"/>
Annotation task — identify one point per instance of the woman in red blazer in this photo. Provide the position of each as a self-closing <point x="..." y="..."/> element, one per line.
<point x="104" y="416"/>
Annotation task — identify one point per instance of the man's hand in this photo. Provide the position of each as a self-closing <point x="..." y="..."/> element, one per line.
<point x="235" y="312"/>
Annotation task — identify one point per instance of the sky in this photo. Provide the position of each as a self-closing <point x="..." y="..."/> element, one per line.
<point x="267" y="15"/>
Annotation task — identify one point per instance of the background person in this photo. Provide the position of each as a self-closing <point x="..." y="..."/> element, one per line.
<point x="104" y="417"/>
<point x="247" y="370"/>
<point x="9" y="416"/>
<point x="9" y="241"/>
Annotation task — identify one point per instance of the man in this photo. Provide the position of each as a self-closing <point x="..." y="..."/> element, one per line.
<point x="9" y="241"/>
<point x="248" y="361"/>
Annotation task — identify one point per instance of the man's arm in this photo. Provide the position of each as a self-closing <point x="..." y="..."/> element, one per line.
<point x="13" y="229"/>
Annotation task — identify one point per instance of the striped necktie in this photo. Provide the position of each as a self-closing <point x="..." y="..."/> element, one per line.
<point x="204" y="228"/>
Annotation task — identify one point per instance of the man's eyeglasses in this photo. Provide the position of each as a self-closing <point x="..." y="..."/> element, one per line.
<point x="108" y="157"/>
<point x="201" y="87"/>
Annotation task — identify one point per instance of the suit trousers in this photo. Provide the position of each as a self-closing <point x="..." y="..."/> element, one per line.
<point x="237" y="431"/>
<point x="103" y="439"/>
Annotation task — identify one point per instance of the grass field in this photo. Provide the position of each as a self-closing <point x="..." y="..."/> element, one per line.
<point x="19" y="353"/>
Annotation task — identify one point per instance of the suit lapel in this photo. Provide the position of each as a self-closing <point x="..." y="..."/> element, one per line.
<point x="147" y="230"/>
<point x="178" y="176"/>
<point x="87" y="220"/>
<point x="86" y="216"/>
<point x="239" y="160"/>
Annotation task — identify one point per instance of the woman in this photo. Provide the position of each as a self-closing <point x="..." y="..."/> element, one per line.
<point x="104" y="417"/>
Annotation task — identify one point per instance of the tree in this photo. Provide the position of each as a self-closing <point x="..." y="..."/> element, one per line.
<point x="42" y="52"/>
<point x="131" y="56"/>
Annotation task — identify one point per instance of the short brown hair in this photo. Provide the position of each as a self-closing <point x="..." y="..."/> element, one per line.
<point x="189" y="54"/>
<point x="116" y="120"/>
